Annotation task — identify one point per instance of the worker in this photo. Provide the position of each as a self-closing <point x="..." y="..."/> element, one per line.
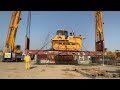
<point x="27" y="61"/>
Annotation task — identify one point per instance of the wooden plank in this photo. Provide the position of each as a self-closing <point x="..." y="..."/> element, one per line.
<point x="96" y="72"/>
<point x="87" y="73"/>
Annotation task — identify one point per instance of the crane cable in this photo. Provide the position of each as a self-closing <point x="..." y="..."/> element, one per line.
<point x="87" y="50"/>
<point x="45" y="42"/>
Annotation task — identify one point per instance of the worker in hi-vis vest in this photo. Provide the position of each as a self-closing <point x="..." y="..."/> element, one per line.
<point x="27" y="59"/>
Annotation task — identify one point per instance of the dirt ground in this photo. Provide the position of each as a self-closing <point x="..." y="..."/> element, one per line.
<point x="16" y="70"/>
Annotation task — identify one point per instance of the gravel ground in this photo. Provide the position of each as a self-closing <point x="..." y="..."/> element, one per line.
<point x="16" y="70"/>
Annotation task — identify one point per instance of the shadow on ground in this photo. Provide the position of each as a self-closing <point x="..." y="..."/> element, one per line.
<point x="33" y="67"/>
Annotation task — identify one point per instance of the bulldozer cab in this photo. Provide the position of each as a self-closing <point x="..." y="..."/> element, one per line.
<point x="17" y="49"/>
<point x="62" y="32"/>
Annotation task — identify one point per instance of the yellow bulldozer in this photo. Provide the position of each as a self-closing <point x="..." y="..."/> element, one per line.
<point x="62" y="41"/>
<point x="115" y="54"/>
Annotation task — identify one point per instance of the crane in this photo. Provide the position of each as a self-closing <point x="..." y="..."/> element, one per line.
<point x="27" y="37"/>
<point x="12" y="51"/>
<point x="99" y="37"/>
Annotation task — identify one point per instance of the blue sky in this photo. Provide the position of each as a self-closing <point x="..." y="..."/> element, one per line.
<point x="44" y="22"/>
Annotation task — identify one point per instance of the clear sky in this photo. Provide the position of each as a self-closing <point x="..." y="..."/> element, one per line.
<point x="44" y="22"/>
